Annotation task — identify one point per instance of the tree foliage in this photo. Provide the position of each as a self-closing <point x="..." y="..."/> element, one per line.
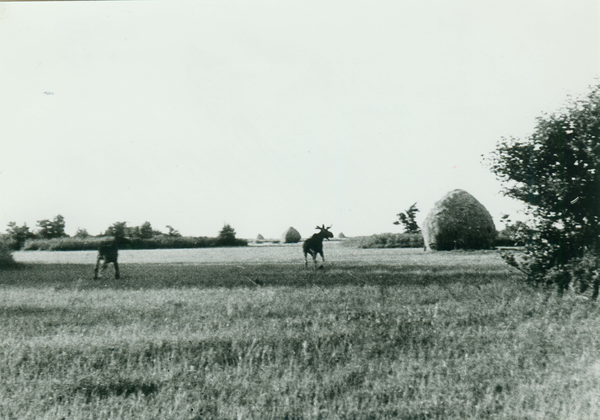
<point x="19" y="234"/>
<point x="81" y="233"/>
<point x="146" y="231"/>
<point x="49" y="229"/>
<point x="226" y="236"/>
<point x="173" y="232"/>
<point x="556" y="172"/>
<point x="408" y="219"/>
<point x="513" y="233"/>
<point x="117" y="229"/>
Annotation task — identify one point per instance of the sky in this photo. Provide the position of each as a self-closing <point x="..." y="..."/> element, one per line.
<point x="265" y="114"/>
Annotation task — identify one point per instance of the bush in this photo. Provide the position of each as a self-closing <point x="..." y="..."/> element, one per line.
<point x="556" y="172"/>
<point x="513" y="235"/>
<point x="389" y="240"/>
<point x="6" y="258"/>
<point x="585" y="273"/>
<point x="18" y="235"/>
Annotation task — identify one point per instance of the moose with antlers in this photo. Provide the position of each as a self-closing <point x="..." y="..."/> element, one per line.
<point x="314" y="244"/>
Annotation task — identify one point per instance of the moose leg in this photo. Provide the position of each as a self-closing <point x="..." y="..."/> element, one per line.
<point x="96" y="269"/>
<point x="322" y="260"/>
<point x="117" y="275"/>
<point x="104" y="267"/>
<point x="312" y="254"/>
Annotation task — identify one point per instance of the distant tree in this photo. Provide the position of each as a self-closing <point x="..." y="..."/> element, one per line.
<point x="146" y="231"/>
<point x="118" y="230"/>
<point x="173" y="232"/>
<point x="408" y="220"/>
<point x="132" y="231"/>
<point x="81" y="233"/>
<point x="513" y="234"/>
<point x="19" y="234"/>
<point x="45" y="229"/>
<point x="226" y="236"/>
<point x="51" y="229"/>
<point x="556" y="172"/>
<point x="58" y="227"/>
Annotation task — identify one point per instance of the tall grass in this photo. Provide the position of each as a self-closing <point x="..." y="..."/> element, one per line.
<point x="437" y="341"/>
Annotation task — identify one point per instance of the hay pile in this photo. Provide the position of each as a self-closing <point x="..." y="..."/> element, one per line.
<point x="259" y="239"/>
<point x="458" y="221"/>
<point x="341" y="235"/>
<point x="290" y="236"/>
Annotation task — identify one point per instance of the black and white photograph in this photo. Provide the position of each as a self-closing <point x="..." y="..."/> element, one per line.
<point x="277" y="209"/>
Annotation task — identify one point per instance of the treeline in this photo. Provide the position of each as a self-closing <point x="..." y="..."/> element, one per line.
<point x="51" y="236"/>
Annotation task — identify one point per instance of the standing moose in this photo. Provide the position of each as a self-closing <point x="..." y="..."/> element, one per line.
<point x="314" y="244"/>
<point x="108" y="253"/>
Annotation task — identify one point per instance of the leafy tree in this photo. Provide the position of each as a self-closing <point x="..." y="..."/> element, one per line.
<point x="45" y="229"/>
<point x="556" y="171"/>
<point x="173" y="232"/>
<point x="81" y="233"/>
<point x="58" y="227"/>
<point x="19" y="234"/>
<point x="226" y="236"/>
<point x="513" y="234"/>
<point x="52" y="229"/>
<point x="146" y="231"/>
<point x="408" y="219"/>
<point x="133" y="232"/>
<point x="118" y="230"/>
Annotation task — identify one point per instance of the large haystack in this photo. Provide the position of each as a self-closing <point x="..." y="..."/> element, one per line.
<point x="458" y="221"/>
<point x="291" y="235"/>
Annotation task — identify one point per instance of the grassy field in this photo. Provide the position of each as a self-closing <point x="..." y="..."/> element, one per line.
<point x="250" y="333"/>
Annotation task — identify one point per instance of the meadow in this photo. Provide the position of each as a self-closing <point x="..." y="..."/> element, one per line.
<point x="251" y="333"/>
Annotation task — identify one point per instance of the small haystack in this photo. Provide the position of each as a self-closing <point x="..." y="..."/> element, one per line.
<point x="259" y="239"/>
<point x="341" y="236"/>
<point x="458" y="221"/>
<point x="290" y="236"/>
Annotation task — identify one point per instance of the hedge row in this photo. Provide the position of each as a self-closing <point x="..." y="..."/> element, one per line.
<point x="390" y="240"/>
<point x="158" y="242"/>
<point x="409" y="240"/>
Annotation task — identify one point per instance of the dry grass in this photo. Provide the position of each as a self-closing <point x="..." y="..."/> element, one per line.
<point x="411" y="335"/>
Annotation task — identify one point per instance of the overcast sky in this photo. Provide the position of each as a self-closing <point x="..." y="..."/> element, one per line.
<point x="267" y="114"/>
